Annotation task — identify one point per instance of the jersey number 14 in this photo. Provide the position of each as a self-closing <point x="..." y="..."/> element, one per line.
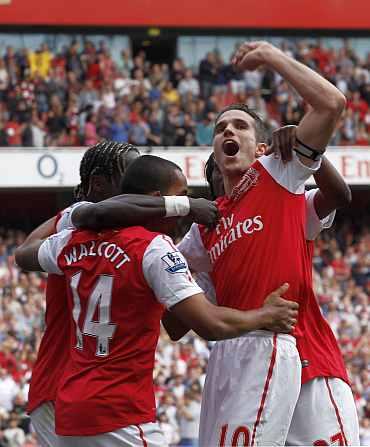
<point x="101" y="298"/>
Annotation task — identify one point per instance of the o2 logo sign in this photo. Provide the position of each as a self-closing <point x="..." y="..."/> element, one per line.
<point x="47" y="166"/>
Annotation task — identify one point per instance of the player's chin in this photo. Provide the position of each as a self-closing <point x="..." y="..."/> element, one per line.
<point x="233" y="164"/>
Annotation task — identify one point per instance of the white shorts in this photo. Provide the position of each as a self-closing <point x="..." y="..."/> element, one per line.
<point x="325" y="414"/>
<point x="252" y="386"/>
<point x="145" y="435"/>
<point x="43" y="422"/>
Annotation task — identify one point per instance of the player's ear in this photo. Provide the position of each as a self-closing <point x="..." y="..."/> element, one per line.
<point x="260" y="149"/>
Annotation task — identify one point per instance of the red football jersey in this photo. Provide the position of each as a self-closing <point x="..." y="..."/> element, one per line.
<point x="259" y="244"/>
<point x="117" y="285"/>
<point x="53" y="352"/>
<point x="319" y="349"/>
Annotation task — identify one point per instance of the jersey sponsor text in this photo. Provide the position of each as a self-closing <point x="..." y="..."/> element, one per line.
<point x="234" y="232"/>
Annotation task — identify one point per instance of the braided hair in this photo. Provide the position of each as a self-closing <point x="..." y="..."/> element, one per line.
<point x="104" y="158"/>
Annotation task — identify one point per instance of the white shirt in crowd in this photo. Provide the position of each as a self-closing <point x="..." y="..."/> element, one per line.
<point x="189" y="428"/>
<point x="8" y="390"/>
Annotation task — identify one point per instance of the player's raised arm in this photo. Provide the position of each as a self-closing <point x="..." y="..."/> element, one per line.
<point x="137" y="209"/>
<point x="325" y="100"/>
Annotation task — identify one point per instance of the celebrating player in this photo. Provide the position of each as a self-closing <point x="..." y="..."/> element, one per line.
<point x="118" y="282"/>
<point x="101" y="171"/>
<point x="261" y="238"/>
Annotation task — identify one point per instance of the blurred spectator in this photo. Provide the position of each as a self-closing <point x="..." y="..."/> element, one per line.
<point x="13" y="131"/>
<point x="88" y="95"/>
<point x="170" y="94"/>
<point x="177" y="72"/>
<point x="185" y="131"/>
<point x="40" y="61"/>
<point x="120" y="128"/>
<point x="4" y="79"/>
<point x="3" y="135"/>
<point x="365" y="431"/>
<point x="91" y="136"/>
<point x="14" y="434"/>
<point x="139" y="133"/>
<point x="169" y="431"/>
<point x="8" y="389"/>
<point x="204" y="130"/>
<point x="207" y="74"/>
<point x="188" y="84"/>
<point x="188" y="415"/>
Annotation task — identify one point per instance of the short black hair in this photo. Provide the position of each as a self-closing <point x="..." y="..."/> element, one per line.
<point x="104" y="158"/>
<point x="148" y="173"/>
<point x="261" y="131"/>
<point x="208" y="171"/>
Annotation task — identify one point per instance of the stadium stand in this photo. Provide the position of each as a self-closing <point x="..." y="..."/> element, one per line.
<point x="82" y="93"/>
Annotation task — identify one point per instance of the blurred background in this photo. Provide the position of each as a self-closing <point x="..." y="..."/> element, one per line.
<point x="156" y="74"/>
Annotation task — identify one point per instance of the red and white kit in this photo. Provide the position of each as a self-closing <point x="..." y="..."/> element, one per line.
<point x="118" y="285"/>
<point x="53" y="352"/>
<point x="254" y="382"/>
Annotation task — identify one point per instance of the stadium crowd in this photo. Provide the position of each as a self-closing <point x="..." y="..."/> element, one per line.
<point x="342" y="284"/>
<point x="81" y="94"/>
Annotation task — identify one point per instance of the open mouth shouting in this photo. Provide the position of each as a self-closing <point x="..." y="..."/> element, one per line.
<point x="230" y="147"/>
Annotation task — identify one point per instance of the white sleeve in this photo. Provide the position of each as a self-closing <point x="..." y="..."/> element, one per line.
<point x="204" y="281"/>
<point x="194" y="251"/>
<point x="314" y="225"/>
<point x="167" y="273"/>
<point x="291" y="175"/>
<point x="50" y="250"/>
<point x="65" y="217"/>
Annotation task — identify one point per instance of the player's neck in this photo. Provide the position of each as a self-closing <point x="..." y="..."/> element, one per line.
<point x="230" y="181"/>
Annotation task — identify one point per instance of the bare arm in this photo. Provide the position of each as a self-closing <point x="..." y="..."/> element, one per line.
<point x="333" y="191"/>
<point x="136" y="209"/>
<point x="175" y="328"/>
<point x="26" y="254"/>
<point x="325" y="100"/>
<point x="217" y="322"/>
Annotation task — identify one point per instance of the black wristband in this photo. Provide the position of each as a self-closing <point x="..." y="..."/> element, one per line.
<point x="307" y="151"/>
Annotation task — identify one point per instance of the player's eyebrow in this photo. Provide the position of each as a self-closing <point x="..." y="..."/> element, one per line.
<point x="224" y="122"/>
<point x="220" y="124"/>
<point x="240" y="121"/>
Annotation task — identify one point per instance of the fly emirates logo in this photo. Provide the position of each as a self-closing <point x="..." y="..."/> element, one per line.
<point x="232" y="232"/>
